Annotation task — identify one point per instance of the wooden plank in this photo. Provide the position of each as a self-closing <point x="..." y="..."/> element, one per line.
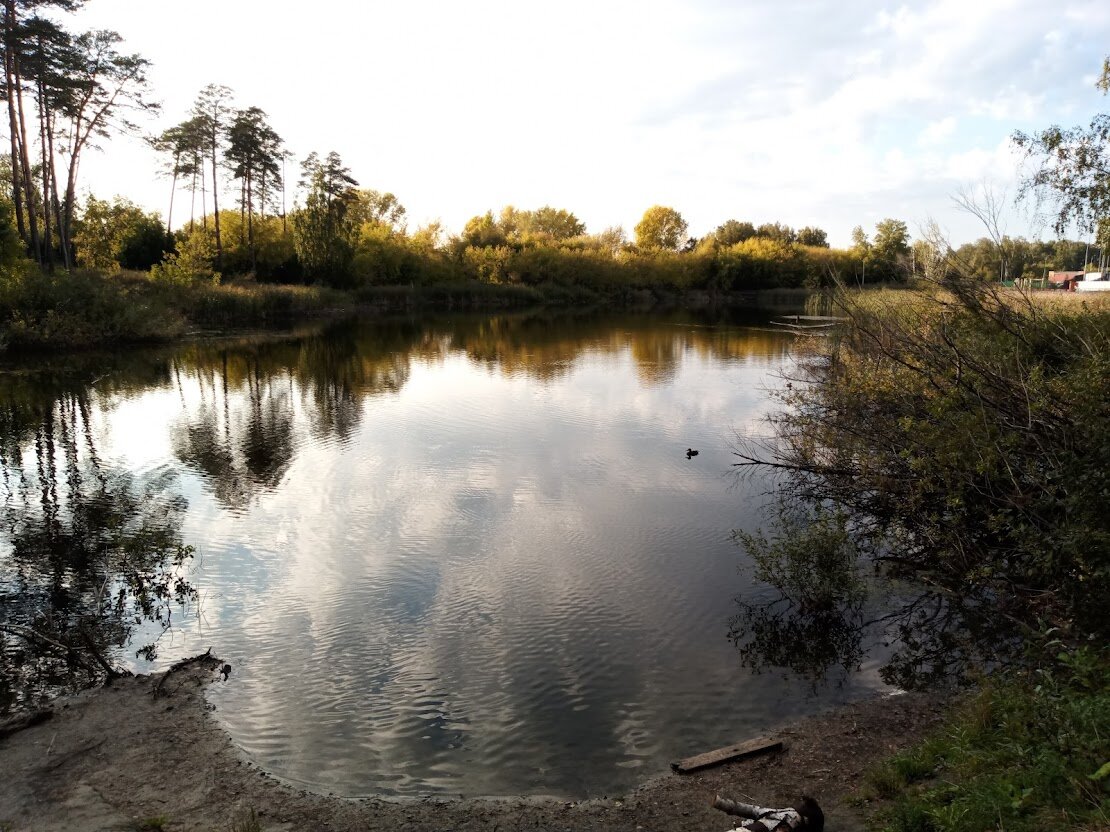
<point x="826" y="318"/>
<point x="724" y="755"/>
<point x="803" y="326"/>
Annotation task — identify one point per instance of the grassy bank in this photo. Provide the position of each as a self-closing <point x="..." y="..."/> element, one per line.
<point x="1029" y="751"/>
<point x="88" y="309"/>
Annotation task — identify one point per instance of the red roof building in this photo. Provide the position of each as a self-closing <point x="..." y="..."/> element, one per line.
<point x="1064" y="280"/>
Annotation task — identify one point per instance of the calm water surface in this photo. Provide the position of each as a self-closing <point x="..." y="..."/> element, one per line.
<point x="454" y="556"/>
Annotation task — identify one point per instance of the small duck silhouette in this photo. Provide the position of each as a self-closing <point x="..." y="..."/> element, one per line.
<point x="691" y="453"/>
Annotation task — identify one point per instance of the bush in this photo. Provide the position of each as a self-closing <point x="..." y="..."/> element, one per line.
<point x="83" y="309"/>
<point x="963" y="435"/>
<point x="191" y="263"/>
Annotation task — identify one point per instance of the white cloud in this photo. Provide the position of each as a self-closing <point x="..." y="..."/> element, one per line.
<point x="938" y="131"/>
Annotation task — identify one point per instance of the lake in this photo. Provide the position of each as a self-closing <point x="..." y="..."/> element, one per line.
<point x="449" y="555"/>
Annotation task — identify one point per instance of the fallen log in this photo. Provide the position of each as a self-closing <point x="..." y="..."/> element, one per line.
<point x="739" y="751"/>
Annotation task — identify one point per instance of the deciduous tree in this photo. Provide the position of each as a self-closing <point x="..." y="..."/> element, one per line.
<point x="812" y="236"/>
<point x="732" y="232"/>
<point x="1071" y="168"/>
<point x="661" y="228"/>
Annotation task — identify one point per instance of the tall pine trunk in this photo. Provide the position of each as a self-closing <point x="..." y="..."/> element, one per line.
<point x="13" y="121"/>
<point x="47" y="243"/>
<point x="56" y="203"/>
<point x="173" y="193"/>
<point x="250" y="222"/>
<point x="28" y="184"/>
<point x="216" y="200"/>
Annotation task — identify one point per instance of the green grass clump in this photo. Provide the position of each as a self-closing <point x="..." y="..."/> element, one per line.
<point x="1030" y="751"/>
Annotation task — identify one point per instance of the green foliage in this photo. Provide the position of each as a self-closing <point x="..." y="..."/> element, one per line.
<point x="11" y="252"/>
<point x="811" y="558"/>
<point x="544" y="225"/>
<point x="483" y="231"/>
<point x="273" y="256"/>
<point x="379" y="208"/>
<point x="963" y="435"/>
<point x="82" y="309"/>
<point x="383" y="257"/>
<point x="1024" y="754"/>
<point x="732" y="232"/>
<point x="191" y="263"/>
<point x="489" y="264"/>
<point x="118" y="234"/>
<point x="1072" y="169"/>
<point x="778" y="232"/>
<point x="760" y="262"/>
<point x="87" y="309"/>
<point x="661" y="228"/>
<point x="811" y="236"/>
<point x="325" y="230"/>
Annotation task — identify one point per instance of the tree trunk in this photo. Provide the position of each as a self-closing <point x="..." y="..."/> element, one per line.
<point x="203" y="199"/>
<point x="193" y="197"/>
<point x="250" y="222"/>
<point x="56" y="203"/>
<point x="47" y="243"/>
<point x="29" y="188"/>
<point x="216" y="201"/>
<point x="173" y="193"/>
<point x="9" y="88"/>
<point x="69" y="203"/>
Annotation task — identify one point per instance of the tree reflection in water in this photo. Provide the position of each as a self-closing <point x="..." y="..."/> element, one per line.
<point x="925" y="639"/>
<point x="90" y="556"/>
<point x="813" y="644"/>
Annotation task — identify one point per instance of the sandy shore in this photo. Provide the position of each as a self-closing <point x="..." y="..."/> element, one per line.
<point x="113" y="758"/>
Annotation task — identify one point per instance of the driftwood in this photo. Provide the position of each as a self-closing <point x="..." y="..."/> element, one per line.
<point x="206" y="659"/>
<point x="22" y="721"/>
<point x="724" y="755"/>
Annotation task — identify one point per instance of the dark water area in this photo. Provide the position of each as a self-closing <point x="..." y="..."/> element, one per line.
<point x="454" y="555"/>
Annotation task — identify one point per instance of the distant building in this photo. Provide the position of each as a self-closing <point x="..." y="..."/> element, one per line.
<point x="1064" y="280"/>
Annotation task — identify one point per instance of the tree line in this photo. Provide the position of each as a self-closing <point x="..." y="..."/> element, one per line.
<point x="67" y="91"/>
<point x="64" y="92"/>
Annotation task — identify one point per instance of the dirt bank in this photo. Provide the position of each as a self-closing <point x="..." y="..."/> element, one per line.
<point x="117" y="757"/>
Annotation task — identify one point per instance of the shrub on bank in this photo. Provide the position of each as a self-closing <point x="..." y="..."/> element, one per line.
<point x="82" y="309"/>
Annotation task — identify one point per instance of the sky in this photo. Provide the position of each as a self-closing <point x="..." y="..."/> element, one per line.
<point x="793" y="111"/>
